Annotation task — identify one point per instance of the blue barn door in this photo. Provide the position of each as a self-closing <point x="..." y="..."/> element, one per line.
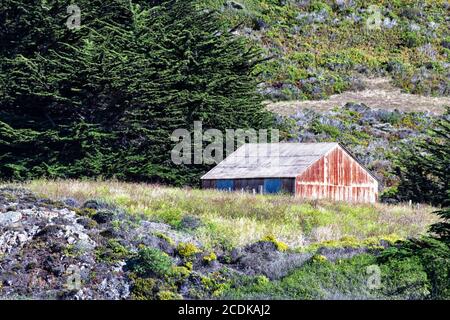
<point x="225" y="185"/>
<point x="272" y="186"/>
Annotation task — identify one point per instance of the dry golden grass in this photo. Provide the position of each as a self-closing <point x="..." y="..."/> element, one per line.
<point x="236" y="219"/>
<point x="378" y="94"/>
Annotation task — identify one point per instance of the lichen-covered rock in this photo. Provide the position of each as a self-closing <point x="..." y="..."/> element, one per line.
<point x="56" y="250"/>
<point x="9" y="218"/>
<point x="264" y="258"/>
<point x="46" y="253"/>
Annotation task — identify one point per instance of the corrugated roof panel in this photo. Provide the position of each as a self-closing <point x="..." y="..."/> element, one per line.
<point x="280" y="160"/>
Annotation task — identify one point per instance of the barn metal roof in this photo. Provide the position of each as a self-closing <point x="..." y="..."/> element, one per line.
<point x="269" y="160"/>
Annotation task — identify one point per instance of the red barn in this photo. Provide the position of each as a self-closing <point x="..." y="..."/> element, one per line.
<point x="308" y="170"/>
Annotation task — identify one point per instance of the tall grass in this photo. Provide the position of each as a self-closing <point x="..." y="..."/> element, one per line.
<point x="233" y="219"/>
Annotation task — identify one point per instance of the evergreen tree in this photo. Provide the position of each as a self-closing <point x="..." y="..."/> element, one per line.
<point x="103" y="100"/>
<point x="424" y="167"/>
<point x="442" y="229"/>
<point x="425" y="174"/>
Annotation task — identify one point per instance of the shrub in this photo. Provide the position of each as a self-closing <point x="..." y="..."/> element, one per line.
<point x="412" y="39"/>
<point x="113" y="251"/>
<point x="281" y="246"/>
<point x="319" y="258"/>
<point x="187" y="250"/>
<point x="165" y="237"/>
<point x="331" y="131"/>
<point x="169" y="295"/>
<point x="215" y="283"/>
<point x="262" y="280"/>
<point x="144" y="289"/>
<point x="427" y="256"/>
<point x="423" y="166"/>
<point x="151" y="261"/>
<point x="210" y="258"/>
<point x="180" y="272"/>
<point x="189" y="265"/>
<point x="324" y="280"/>
<point x="404" y="277"/>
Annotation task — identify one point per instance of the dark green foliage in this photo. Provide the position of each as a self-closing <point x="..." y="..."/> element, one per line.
<point x="404" y="278"/>
<point x="113" y="252"/>
<point x="424" y="167"/>
<point x="442" y="229"/>
<point x="424" y="170"/>
<point x="151" y="262"/>
<point x="429" y="255"/>
<point x="418" y="269"/>
<point x="103" y="100"/>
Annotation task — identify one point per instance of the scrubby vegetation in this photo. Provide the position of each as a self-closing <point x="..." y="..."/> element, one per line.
<point x="423" y="167"/>
<point x="376" y="137"/>
<point x="132" y="254"/>
<point x="403" y="275"/>
<point x="321" y="47"/>
<point x="151" y="261"/>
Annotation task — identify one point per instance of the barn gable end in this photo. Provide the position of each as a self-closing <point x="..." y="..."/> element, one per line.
<point x="337" y="176"/>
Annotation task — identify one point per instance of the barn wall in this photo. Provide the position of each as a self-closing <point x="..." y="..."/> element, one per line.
<point x="247" y="185"/>
<point x="337" y="176"/>
<point x="208" y="184"/>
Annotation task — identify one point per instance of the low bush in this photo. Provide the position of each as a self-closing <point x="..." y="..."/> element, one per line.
<point x="187" y="250"/>
<point x="113" y="252"/>
<point x="151" y="261"/>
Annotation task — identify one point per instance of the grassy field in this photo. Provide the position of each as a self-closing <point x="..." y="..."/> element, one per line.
<point x="235" y="219"/>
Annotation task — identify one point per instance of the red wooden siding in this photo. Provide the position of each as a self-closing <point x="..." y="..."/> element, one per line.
<point x="337" y="176"/>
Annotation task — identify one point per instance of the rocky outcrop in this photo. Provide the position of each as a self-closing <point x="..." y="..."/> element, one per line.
<point x="264" y="258"/>
<point x="47" y="252"/>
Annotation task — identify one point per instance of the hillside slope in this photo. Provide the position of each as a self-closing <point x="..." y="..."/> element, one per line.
<point x="377" y="93"/>
<point x="375" y="136"/>
<point x="320" y="48"/>
<point x="147" y="242"/>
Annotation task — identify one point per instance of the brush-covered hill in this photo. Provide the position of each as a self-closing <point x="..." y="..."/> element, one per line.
<point x="324" y="47"/>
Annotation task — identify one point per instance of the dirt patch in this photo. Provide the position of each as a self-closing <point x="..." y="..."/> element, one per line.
<point x="378" y="93"/>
